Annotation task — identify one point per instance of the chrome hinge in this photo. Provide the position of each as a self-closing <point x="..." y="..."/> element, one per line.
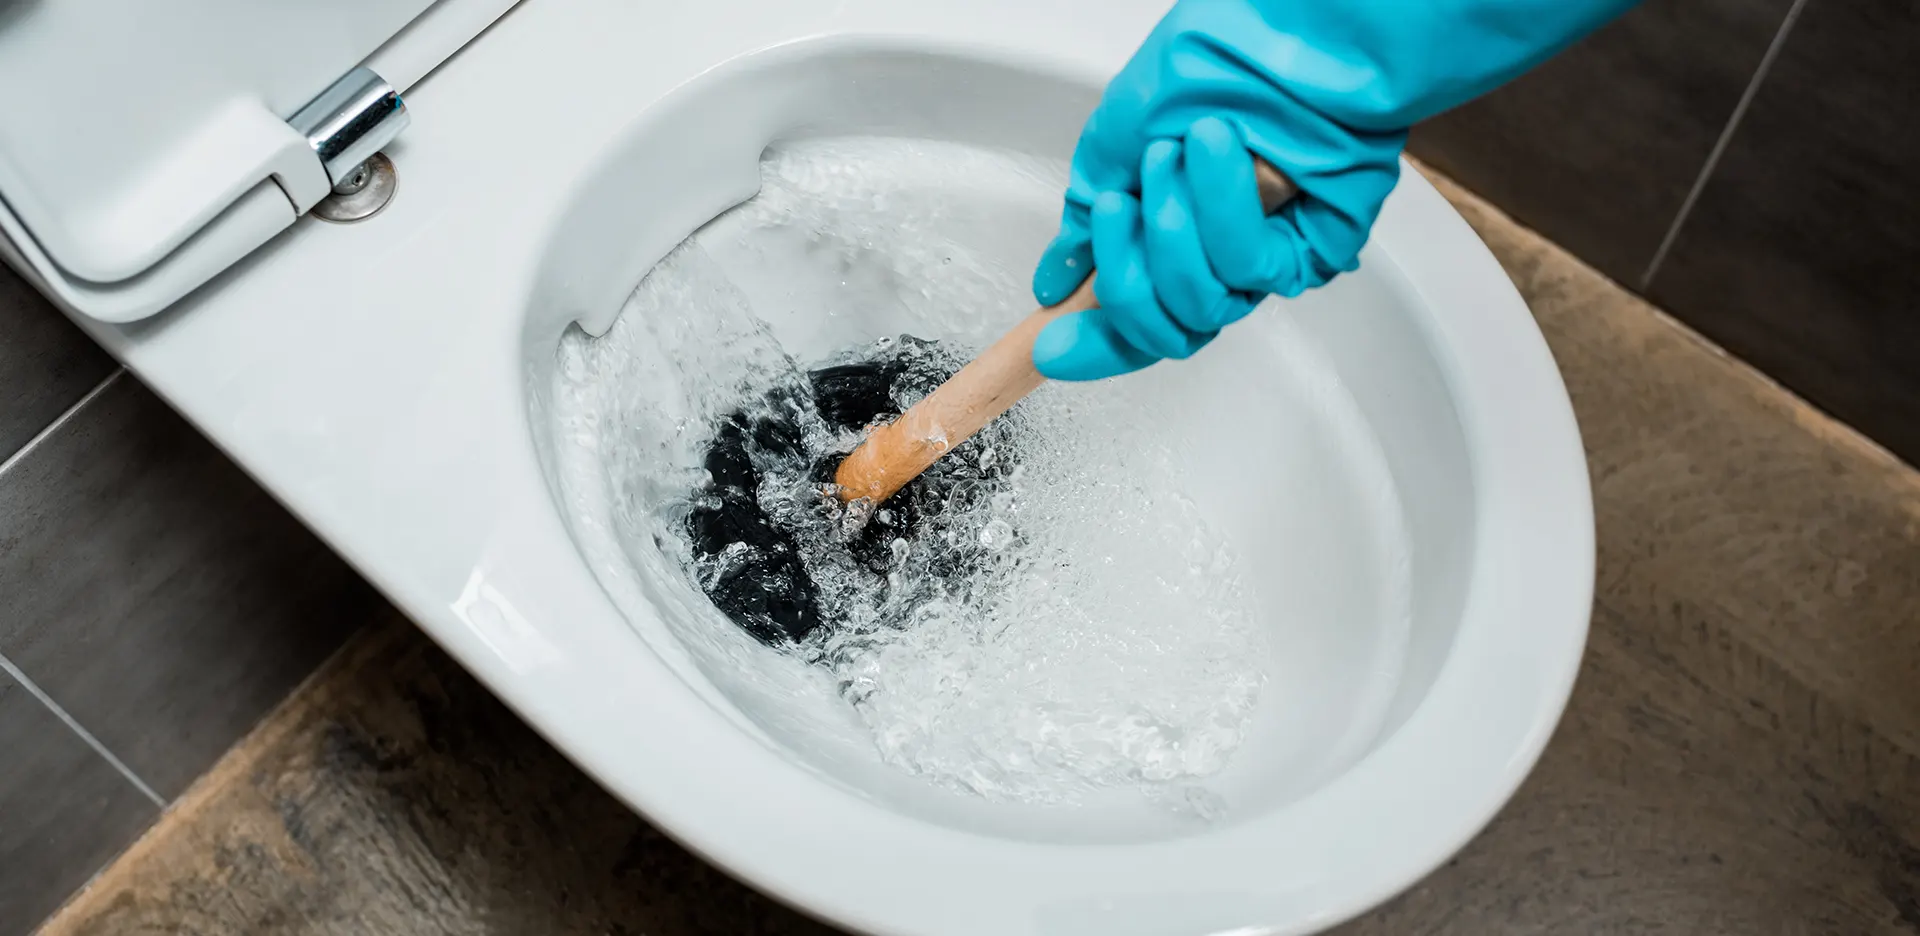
<point x="353" y="119"/>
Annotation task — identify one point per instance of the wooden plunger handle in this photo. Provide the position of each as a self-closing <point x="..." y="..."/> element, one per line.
<point x="989" y="385"/>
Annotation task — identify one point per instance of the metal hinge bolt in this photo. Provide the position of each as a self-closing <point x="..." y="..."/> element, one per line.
<point x="347" y="126"/>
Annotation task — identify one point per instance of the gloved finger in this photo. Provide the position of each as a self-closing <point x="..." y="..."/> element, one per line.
<point x="1064" y="265"/>
<point x="1246" y="249"/>
<point x="1176" y="261"/>
<point x="1124" y="288"/>
<point x="1329" y="236"/>
<point x="1084" y="346"/>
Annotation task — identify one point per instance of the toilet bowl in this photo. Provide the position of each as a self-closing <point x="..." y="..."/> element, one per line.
<point x="1393" y="458"/>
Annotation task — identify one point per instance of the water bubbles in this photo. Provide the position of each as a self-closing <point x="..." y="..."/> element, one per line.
<point x="996" y="534"/>
<point x="1055" y="620"/>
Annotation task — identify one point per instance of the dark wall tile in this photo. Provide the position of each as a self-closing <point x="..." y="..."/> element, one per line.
<point x="156" y="592"/>
<point x="1598" y="147"/>
<point x="45" y="363"/>
<point x="1803" y="253"/>
<point x="64" y="811"/>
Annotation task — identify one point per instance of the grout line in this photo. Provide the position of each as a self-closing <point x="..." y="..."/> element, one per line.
<point x="1720" y="145"/>
<point x="34" y="689"/>
<point x="60" y="420"/>
<point x="7" y="666"/>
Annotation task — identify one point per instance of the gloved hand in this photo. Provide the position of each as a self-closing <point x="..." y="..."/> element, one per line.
<point x="1162" y="198"/>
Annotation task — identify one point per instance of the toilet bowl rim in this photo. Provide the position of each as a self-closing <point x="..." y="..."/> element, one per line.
<point x="1530" y="452"/>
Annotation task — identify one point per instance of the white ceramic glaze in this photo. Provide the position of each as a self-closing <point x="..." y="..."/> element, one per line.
<point x="385" y="379"/>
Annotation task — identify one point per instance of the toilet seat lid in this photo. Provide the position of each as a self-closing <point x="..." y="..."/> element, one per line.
<point x="128" y="128"/>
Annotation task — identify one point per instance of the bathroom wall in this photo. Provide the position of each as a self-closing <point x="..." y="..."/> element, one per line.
<point x="1753" y="166"/>
<point x="154" y="604"/>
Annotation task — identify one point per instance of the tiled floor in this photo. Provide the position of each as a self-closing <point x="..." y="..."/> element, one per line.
<point x="1739" y="756"/>
<point x="220" y="601"/>
<point x="62" y="806"/>
<point x="45" y="363"/>
<point x="155" y="603"/>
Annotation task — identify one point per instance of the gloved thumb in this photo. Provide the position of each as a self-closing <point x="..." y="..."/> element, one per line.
<point x="1064" y="265"/>
<point x="1084" y="346"/>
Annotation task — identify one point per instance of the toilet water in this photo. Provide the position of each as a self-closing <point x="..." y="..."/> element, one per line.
<point x="1047" y="615"/>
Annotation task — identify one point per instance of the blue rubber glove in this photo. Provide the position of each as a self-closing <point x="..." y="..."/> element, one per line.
<point x="1162" y="197"/>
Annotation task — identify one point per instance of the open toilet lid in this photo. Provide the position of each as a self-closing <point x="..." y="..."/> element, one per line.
<point x="144" y="147"/>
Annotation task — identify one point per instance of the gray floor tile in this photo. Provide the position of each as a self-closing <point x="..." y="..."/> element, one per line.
<point x="46" y="364"/>
<point x="1803" y="253"/>
<point x="1598" y="147"/>
<point x="160" y="595"/>
<point x="64" y="812"/>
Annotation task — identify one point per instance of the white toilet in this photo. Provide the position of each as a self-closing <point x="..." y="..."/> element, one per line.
<point x="392" y="380"/>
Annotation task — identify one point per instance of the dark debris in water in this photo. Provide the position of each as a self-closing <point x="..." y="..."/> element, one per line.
<point x="764" y="585"/>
